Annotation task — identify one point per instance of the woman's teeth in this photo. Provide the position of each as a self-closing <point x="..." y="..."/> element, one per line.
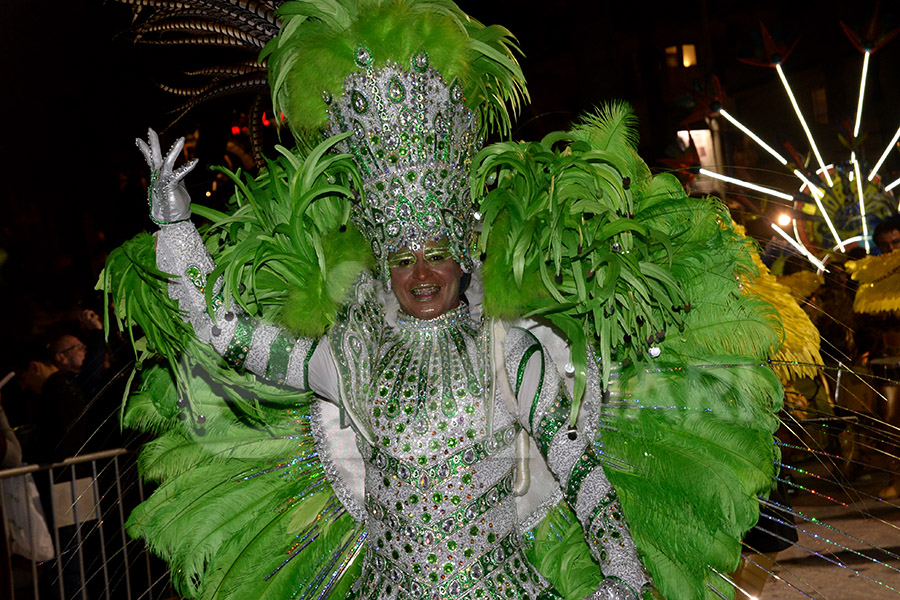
<point x="424" y="292"/>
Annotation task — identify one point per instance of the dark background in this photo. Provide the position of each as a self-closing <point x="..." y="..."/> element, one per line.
<point x="77" y="93"/>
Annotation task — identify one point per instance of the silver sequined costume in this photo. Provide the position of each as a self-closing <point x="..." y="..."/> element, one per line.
<point x="436" y="427"/>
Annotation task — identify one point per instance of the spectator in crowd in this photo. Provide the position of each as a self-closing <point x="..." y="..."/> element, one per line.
<point x="887" y="235"/>
<point x="70" y="392"/>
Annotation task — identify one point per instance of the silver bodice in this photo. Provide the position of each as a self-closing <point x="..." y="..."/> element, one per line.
<point x="439" y="497"/>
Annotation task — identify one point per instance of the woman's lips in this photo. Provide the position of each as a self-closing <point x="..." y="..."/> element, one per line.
<point x="425" y="292"/>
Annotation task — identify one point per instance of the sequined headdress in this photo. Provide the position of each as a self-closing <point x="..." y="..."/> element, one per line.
<point x="417" y="85"/>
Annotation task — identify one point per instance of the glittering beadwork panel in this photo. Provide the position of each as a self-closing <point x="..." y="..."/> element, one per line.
<point x="413" y="139"/>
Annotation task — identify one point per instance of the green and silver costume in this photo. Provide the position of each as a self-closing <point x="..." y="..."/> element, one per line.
<point x="454" y="457"/>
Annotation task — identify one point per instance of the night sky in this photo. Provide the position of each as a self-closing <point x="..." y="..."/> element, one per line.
<point x="77" y="93"/>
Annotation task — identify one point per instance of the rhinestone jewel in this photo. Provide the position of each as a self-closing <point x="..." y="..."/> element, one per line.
<point x="363" y="55"/>
<point x="456" y="92"/>
<point x="359" y="102"/>
<point x="396" y="92"/>
<point x="420" y="62"/>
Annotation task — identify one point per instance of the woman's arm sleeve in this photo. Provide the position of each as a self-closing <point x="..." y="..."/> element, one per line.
<point x="242" y="340"/>
<point x="544" y="408"/>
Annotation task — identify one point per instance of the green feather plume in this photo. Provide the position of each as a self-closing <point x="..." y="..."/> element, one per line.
<point x="241" y="488"/>
<point x="628" y="262"/>
<point x="315" y="52"/>
<point x="556" y="548"/>
<point x="288" y="244"/>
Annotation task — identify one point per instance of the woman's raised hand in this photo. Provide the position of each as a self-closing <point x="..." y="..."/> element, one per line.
<point x="167" y="196"/>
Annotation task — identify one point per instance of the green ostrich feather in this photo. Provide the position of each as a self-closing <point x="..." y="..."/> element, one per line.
<point x="689" y="447"/>
<point x="557" y="549"/>
<point x="288" y="244"/>
<point x="241" y="488"/>
<point x="625" y="263"/>
<point x="315" y="52"/>
<point x="624" y="258"/>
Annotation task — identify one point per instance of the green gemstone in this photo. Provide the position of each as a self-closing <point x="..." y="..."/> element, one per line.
<point x="455" y="500"/>
<point x="437" y="497"/>
<point x="398" y="505"/>
<point x="386" y="482"/>
<point x="406" y="447"/>
<point x="374" y="139"/>
<point x="470" y="434"/>
<point x="434" y="444"/>
<point x="395" y="554"/>
<point x="452" y="442"/>
<point x="473" y="530"/>
<point x="443" y="173"/>
<point x="470" y="409"/>
<point x="407" y="548"/>
<point x="491" y="537"/>
<point x="433" y="577"/>
<point x="451" y="545"/>
<point x="422" y="459"/>
<point x="448" y="568"/>
<point x="467" y="478"/>
<point x="385" y="441"/>
<point x="468" y="552"/>
<point x="431" y="558"/>
<point x="413" y="499"/>
<point x="442" y="425"/>
<point x="400" y="428"/>
<point x="426" y="518"/>
<point x="376" y="411"/>
<point x="410" y="176"/>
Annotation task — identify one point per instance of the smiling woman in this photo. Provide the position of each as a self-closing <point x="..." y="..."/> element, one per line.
<point x="425" y="282"/>
<point x="390" y="457"/>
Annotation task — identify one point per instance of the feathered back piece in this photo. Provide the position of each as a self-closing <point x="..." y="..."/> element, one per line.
<point x="629" y="265"/>
<point x="879" y="283"/>
<point x="241" y="27"/>
<point x="606" y="251"/>
<point x="317" y="50"/>
<point x="244" y="508"/>
<point x="798" y="354"/>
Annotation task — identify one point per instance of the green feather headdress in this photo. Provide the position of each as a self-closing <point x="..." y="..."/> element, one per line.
<point x="417" y="85"/>
<point x="315" y="52"/>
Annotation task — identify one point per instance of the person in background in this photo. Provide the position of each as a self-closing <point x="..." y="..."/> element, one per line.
<point x="887" y="235"/>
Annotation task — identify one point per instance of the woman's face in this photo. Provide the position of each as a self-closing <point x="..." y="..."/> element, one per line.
<point x="426" y="282"/>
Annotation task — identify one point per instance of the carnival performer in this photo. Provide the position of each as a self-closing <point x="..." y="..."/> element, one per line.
<point x="437" y="429"/>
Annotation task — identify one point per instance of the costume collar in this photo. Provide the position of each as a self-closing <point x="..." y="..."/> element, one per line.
<point x="451" y="318"/>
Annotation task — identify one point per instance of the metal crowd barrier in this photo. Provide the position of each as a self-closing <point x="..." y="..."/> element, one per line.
<point x="65" y="532"/>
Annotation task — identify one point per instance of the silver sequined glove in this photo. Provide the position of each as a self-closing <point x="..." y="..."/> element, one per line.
<point x="168" y="198"/>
